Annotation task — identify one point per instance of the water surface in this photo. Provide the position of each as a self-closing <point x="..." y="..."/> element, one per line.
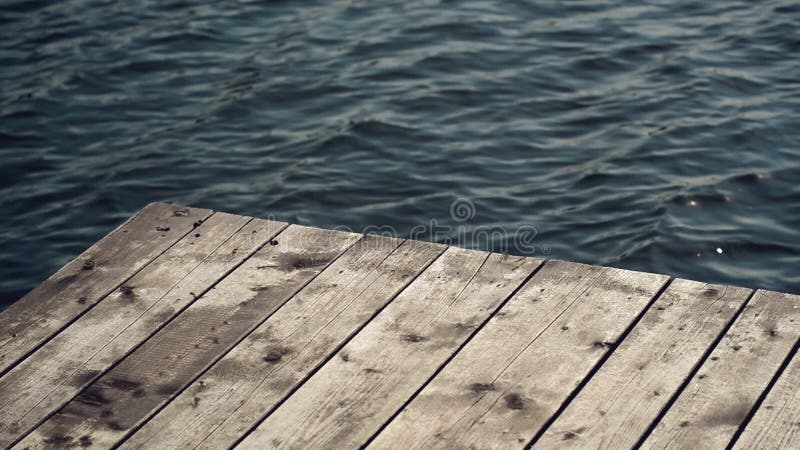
<point x="662" y="136"/>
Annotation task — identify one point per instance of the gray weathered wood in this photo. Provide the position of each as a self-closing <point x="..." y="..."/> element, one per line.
<point x="72" y="359"/>
<point x="106" y="411"/>
<point x="241" y="388"/>
<point x="716" y="401"/>
<point x="354" y="393"/>
<point x="776" y="424"/>
<point x="313" y="338"/>
<point x="517" y="371"/>
<point x="624" y="397"/>
<point x="77" y="286"/>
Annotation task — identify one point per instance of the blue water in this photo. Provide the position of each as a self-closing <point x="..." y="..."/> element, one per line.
<point x="660" y="136"/>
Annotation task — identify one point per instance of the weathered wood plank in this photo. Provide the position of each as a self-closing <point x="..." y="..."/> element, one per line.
<point x="72" y="359"/>
<point x="235" y="394"/>
<point x="111" y="407"/>
<point x="715" y="402"/>
<point x="354" y="393"/>
<point x="776" y="424"/>
<point x="518" y="370"/>
<point x="76" y="287"/>
<point x="624" y="397"/>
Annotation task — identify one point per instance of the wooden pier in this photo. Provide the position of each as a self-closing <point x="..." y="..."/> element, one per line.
<point x="191" y="328"/>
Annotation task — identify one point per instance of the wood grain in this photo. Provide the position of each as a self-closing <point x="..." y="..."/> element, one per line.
<point x="719" y="397"/>
<point x="776" y="424"/>
<point x="371" y="377"/>
<point x="517" y="371"/>
<point x="624" y="397"/>
<point x="91" y="345"/>
<point x="241" y="388"/>
<point x="79" y="285"/>
<point x="185" y="328"/>
<point x="126" y="396"/>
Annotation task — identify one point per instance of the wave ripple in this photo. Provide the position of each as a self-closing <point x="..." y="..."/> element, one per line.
<point x="644" y="136"/>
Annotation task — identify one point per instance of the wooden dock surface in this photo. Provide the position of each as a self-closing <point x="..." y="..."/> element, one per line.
<point x="188" y="328"/>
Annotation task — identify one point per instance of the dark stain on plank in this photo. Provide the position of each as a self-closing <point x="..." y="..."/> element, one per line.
<point x="294" y="261"/>
<point x="772" y="332"/>
<point x="569" y="435"/>
<point x="481" y="387"/>
<point x="58" y="440"/>
<point x="275" y="355"/>
<point x="127" y="290"/>
<point x="514" y="401"/>
<point x="67" y="280"/>
<point x="92" y="396"/>
<point x="413" y="338"/>
<point x="84" y="377"/>
<point x="729" y="416"/>
<point x="114" y="425"/>
<point x="124" y="385"/>
<point x="167" y="389"/>
<point x="85" y="441"/>
<point x="602" y="344"/>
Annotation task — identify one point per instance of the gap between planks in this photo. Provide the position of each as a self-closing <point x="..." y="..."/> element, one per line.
<point x="288" y="348"/>
<point x="74" y="289"/>
<point x="395" y="352"/>
<point x="123" y="398"/>
<point x="94" y="343"/>
<point x="616" y="404"/>
<point x="669" y="425"/>
<point x="486" y="396"/>
<point x="715" y="403"/>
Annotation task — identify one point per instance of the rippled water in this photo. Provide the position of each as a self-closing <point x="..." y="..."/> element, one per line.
<point x="649" y="136"/>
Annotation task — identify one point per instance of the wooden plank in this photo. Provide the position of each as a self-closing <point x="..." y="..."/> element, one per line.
<point x="776" y="423"/>
<point x="83" y="282"/>
<point x="623" y="398"/>
<point x="72" y="359"/>
<point x="716" y="401"/>
<point x="354" y="393"/>
<point x="235" y="394"/>
<point x="105" y="412"/>
<point x="518" y="370"/>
